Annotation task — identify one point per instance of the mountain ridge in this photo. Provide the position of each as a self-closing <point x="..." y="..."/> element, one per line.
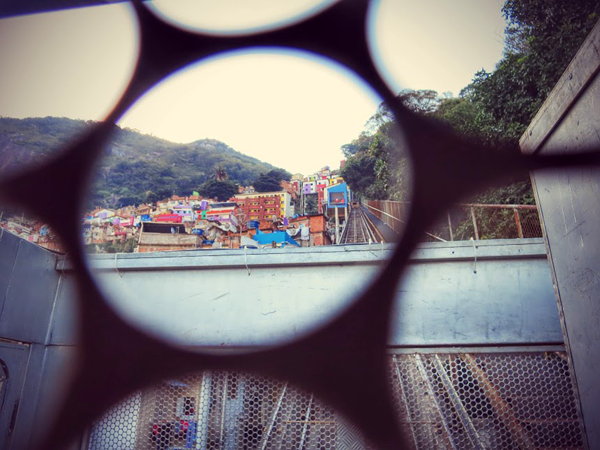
<point x="137" y="167"/>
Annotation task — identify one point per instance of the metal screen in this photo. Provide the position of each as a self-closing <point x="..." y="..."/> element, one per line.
<point x="454" y="401"/>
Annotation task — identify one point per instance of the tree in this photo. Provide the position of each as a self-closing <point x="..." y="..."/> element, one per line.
<point x="113" y="201"/>
<point x="311" y="204"/>
<point x="549" y="32"/>
<point x="493" y="110"/>
<point x="378" y="168"/>
<point x="221" y="190"/>
<point x="266" y="183"/>
<point x="279" y="174"/>
<point x="151" y="197"/>
<point x="360" y="144"/>
<point x="542" y="38"/>
<point x="423" y="101"/>
<point x="220" y="172"/>
<point x="359" y="172"/>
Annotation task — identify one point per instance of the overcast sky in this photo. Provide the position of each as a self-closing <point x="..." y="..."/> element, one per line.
<point x="291" y="110"/>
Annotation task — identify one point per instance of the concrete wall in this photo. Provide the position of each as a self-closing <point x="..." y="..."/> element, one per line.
<point x="569" y="202"/>
<point x="240" y="298"/>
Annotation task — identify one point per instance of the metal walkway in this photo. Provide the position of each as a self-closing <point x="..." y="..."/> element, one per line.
<point x="359" y="229"/>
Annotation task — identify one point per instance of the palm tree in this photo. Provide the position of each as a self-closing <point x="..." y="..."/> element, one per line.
<point x="220" y="172"/>
<point x="112" y="202"/>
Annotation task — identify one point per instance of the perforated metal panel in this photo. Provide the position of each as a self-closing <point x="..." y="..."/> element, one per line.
<point x="454" y="401"/>
<point x="499" y="401"/>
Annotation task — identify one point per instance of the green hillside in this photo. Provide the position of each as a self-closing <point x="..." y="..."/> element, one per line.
<point x="137" y="167"/>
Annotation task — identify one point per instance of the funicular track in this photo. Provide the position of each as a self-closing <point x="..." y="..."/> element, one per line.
<point x="359" y="229"/>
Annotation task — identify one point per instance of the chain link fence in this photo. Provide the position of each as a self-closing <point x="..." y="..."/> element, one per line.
<point x="443" y="401"/>
<point x="466" y="221"/>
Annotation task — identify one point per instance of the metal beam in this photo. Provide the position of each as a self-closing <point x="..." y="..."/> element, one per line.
<point x="503" y="410"/>
<point x="306" y="422"/>
<point x="457" y="404"/>
<point x="265" y="439"/>
<point x="405" y="400"/>
<point x="432" y="396"/>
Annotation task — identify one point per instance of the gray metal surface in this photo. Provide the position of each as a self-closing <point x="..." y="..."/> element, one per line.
<point x="570" y="209"/>
<point x="25" y="420"/>
<point x="63" y="322"/>
<point x="252" y="298"/>
<point x="52" y="380"/>
<point x="237" y="298"/>
<point x="9" y="244"/>
<point x="29" y="286"/>
<point x="38" y="375"/>
<point x="506" y="301"/>
<point x="29" y="298"/>
<point x="15" y="358"/>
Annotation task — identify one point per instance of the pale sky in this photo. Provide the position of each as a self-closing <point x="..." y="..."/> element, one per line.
<point x="289" y="109"/>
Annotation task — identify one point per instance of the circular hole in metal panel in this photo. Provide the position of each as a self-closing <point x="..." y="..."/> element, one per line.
<point x="222" y="282"/>
<point x="434" y="45"/>
<point x="234" y="17"/>
<point x="218" y="409"/>
<point x="59" y="71"/>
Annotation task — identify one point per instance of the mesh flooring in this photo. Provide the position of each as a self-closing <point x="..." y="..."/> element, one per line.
<point x="444" y="401"/>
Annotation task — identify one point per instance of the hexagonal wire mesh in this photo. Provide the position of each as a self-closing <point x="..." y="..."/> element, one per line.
<point x="448" y="400"/>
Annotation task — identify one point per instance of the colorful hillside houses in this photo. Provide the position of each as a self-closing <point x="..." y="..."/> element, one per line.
<point x="168" y="218"/>
<point x="143" y="210"/>
<point x="102" y="215"/>
<point x="186" y="212"/>
<point x="222" y="212"/>
<point x="265" y="205"/>
<point x="278" y="218"/>
<point x="309" y="187"/>
<point x="322" y="184"/>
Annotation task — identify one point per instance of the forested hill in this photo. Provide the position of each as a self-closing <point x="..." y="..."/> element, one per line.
<point x="137" y="167"/>
<point x="494" y="110"/>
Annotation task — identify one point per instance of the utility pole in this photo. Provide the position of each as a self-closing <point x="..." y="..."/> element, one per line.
<point x="337" y="226"/>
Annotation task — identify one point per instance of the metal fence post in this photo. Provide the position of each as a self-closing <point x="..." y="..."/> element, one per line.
<point x="474" y="224"/>
<point x="518" y="222"/>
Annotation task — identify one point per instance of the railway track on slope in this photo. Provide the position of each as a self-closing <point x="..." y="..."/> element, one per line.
<point x="359" y="229"/>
